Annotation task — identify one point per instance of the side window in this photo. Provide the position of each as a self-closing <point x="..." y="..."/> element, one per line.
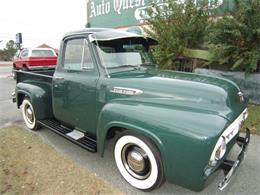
<point x="77" y="55"/>
<point x="24" y="53"/>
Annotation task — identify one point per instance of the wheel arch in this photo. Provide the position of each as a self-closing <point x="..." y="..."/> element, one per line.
<point x="120" y="126"/>
<point x="20" y="97"/>
<point x="25" y="66"/>
<point x="38" y="97"/>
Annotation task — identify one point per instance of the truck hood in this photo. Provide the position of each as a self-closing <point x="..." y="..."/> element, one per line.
<point x="178" y="90"/>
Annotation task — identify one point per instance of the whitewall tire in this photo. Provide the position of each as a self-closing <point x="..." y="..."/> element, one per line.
<point x="29" y="115"/>
<point x="139" y="161"/>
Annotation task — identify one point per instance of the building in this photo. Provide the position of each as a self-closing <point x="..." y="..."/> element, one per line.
<point x="47" y="46"/>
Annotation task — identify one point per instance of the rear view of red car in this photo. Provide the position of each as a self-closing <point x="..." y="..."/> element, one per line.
<point x="35" y="59"/>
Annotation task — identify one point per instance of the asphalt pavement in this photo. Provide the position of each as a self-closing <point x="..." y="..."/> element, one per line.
<point x="245" y="181"/>
<point x="5" y="71"/>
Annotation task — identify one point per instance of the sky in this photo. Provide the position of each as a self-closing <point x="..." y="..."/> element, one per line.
<point x="40" y="21"/>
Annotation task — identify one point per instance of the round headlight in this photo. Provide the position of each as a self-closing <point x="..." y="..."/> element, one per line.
<point x="218" y="152"/>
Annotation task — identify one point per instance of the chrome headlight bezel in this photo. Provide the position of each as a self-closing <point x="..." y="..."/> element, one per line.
<point x="218" y="152"/>
<point x="230" y="132"/>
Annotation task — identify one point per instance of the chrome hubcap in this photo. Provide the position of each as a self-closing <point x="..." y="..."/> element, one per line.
<point x="136" y="161"/>
<point x="29" y="114"/>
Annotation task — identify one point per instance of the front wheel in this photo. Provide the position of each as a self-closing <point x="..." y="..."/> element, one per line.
<point x="139" y="161"/>
<point x="29" y="115"/>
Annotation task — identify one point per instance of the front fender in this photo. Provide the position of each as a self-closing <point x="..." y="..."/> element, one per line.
<point x="184" y="138"/>
<point x="114" y="115"/>
<point x="40" y="97"/>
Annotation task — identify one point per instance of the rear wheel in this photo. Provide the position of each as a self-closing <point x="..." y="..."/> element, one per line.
<point x="28" y="115"/>
<point x="139" y="161"/>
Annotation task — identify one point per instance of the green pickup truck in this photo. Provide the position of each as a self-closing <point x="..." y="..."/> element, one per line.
<point x="167" y="125"/>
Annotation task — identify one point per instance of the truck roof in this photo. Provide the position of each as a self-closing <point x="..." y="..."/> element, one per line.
<point x="105" y="34"/>
<point x="86" y="30"/>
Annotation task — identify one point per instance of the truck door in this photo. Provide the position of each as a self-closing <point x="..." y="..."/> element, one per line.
<point x="74" y="86"/>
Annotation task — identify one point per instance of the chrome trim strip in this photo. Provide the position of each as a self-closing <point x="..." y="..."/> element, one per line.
<point x="126" y="91"/>
<point x="41" y="67"/>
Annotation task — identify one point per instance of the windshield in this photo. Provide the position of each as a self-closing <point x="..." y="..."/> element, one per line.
<point x="122" y="53"/>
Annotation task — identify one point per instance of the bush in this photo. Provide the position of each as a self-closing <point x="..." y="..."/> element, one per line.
<point x="177" y="26"/>
<point x="8" y="52"/>
<point x="235" y="40"/>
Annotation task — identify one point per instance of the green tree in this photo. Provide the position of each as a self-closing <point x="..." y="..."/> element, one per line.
<point x="8" y="52"/>
<point x="177" y="26"/>
<point x="235" y="40"/>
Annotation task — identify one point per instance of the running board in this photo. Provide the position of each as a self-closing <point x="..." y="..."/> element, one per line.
<point x="86" y="141"/>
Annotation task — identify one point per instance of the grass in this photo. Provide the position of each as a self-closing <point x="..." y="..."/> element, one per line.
<point x="253" y="120"/>
<point x="30" y="166"/>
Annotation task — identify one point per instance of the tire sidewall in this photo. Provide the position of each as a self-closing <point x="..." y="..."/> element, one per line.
<point x="34" y="125"/>
<point x="156" y="177"/>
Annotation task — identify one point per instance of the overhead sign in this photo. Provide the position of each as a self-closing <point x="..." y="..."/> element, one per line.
<point x="124" y="13"/>
<point x="18" y="38"/>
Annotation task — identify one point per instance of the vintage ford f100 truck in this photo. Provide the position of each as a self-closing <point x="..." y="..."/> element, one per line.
<point x="168" y="125"/>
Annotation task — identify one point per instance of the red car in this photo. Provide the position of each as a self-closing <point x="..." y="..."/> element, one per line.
<point x="37" y="58"/>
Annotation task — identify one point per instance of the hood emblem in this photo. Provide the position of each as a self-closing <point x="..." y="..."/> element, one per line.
<point x="241" y="96"/>
<point x="126" y="91"/>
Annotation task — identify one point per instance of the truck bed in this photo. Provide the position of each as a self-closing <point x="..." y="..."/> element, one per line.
<point x="36" y="85"/>
<point x="21" y="75"/>
<point x="37" y="78"/>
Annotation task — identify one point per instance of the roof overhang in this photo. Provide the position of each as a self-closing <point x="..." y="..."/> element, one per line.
<point x="111" y="34"/>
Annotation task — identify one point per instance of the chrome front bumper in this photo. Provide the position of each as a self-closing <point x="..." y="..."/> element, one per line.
<point x="229" y="167"/>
